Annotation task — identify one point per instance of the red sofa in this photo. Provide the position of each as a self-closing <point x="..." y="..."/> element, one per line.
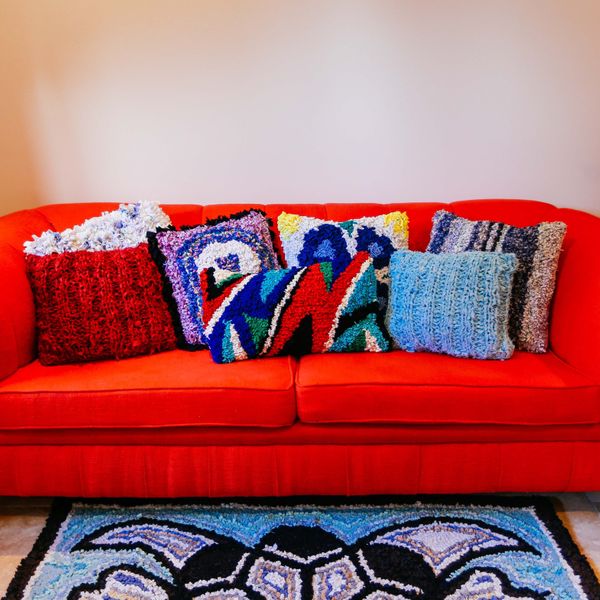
<point x="176" y="424"/>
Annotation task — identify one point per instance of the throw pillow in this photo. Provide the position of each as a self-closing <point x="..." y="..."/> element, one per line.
<point x="294" y="311"/>
<point x="307" y="240"/>
<point x="241" y="243"/>
<point x="537" y="249"/>
<point x="98" y="305"/>
<point x="125" y="227"/>
<point x="452" y="303"/>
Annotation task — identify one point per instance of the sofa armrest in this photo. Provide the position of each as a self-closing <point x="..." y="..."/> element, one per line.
<point x="17" y="311"/>
<point x="575" y="318"/>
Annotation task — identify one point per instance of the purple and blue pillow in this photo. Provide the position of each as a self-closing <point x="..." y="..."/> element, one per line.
<point x="239" y="244"/>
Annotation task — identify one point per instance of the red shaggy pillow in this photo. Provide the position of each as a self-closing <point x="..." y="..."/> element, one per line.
<point x="98" y="305"/>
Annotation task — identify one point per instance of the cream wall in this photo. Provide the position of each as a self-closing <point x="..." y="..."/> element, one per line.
<point x="299" y="100"/>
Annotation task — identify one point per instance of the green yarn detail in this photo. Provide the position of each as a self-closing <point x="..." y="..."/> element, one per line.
<point x="348" y="226"/>
<point x="223" y="283"/>
<point x="354" y="339"/>
<point x="358" y="344"/>
<point x="258" y="329"/>
<point x="362" y="292"/>
<point x="327" y="270"/>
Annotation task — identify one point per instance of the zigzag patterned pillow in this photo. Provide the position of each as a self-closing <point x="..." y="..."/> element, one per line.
<point x="295" y="311"/>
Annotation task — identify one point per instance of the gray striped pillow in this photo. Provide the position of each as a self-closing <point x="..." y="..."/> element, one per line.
<point x="537" y="249"/>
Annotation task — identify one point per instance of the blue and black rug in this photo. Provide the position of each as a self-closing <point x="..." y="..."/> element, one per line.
<point x="481" y="548"/>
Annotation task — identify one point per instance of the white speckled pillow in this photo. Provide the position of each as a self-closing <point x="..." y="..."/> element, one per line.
<point x="125" y="227"/>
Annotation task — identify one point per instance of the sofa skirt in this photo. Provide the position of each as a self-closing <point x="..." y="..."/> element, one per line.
<point x="243" y="471"/>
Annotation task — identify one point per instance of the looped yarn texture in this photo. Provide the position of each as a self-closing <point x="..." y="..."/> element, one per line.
<point x="98" y="305"/>
<point x="294" y="311"/>
<point x="240" y="244"/>
<point x="308" y="240"/>
<point x="453" y="304"/>
<point x="537" y="249"/>
<point x="125" y="227"/>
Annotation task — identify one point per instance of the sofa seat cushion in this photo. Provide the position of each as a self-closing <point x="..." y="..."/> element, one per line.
<point x="175" y="388"/>
<point x="403" y="387"/>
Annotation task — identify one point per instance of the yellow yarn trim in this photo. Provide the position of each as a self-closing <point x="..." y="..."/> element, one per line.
<point x="399" y="222"/>
<point x="288" y="224"/>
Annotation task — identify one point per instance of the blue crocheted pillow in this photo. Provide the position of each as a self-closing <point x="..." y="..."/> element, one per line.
<point x="452" y="303"/>
<point x="307" y="240"/>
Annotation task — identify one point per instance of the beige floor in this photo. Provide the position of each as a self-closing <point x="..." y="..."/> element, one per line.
<point x="21" y="521"/>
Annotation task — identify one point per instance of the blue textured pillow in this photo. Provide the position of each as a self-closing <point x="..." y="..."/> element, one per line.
<point x="454" y="304"/>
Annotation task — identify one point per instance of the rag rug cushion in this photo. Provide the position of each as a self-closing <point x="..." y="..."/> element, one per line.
<point x="294" y="311"/>
<point x="308" y="240"/>
<point x="537" y="249"/>
<point x="456" y="304"/>
<point x="125" y="227"/>
<point x="374" y="549"/>
<point x="241" y="243"/>
<point x="98" y="305"/>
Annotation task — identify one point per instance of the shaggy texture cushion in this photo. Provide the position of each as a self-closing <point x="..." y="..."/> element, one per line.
<point x="98" y="305"/>
<point x="293" y="311"/>
<point x="452" y="303"/>
<point x="125" y="227"/>
<point x="241" y="243"/>
<point x="537" y="249"/>
<point x="307" y="240"/>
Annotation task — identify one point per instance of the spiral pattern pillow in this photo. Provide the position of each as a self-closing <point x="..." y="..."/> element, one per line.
<point x="454" y="304"/>
<point x="241" y="243"/>
<point x="307" y="240"/>
<point x="537" y="249"/>
<point x="294" y="311"/>
<point x="125" y="227"/>
<point x="98" y="305"/>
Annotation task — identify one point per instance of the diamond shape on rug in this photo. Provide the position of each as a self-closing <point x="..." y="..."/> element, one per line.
<point x="478" y="548"/>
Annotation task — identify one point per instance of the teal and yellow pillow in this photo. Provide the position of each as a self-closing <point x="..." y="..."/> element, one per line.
<point x="307" y="240"/>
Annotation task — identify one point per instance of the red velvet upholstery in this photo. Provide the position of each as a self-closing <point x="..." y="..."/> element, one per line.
<point x="400" y="387"/>
<point x="175" y="424"/>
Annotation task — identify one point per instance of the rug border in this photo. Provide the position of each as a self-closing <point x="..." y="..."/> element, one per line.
<point x="59" y="510"/>
<point x="545" y="507"/>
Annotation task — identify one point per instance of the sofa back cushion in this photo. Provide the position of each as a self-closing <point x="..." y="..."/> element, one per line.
<point x="575" y="323"/>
